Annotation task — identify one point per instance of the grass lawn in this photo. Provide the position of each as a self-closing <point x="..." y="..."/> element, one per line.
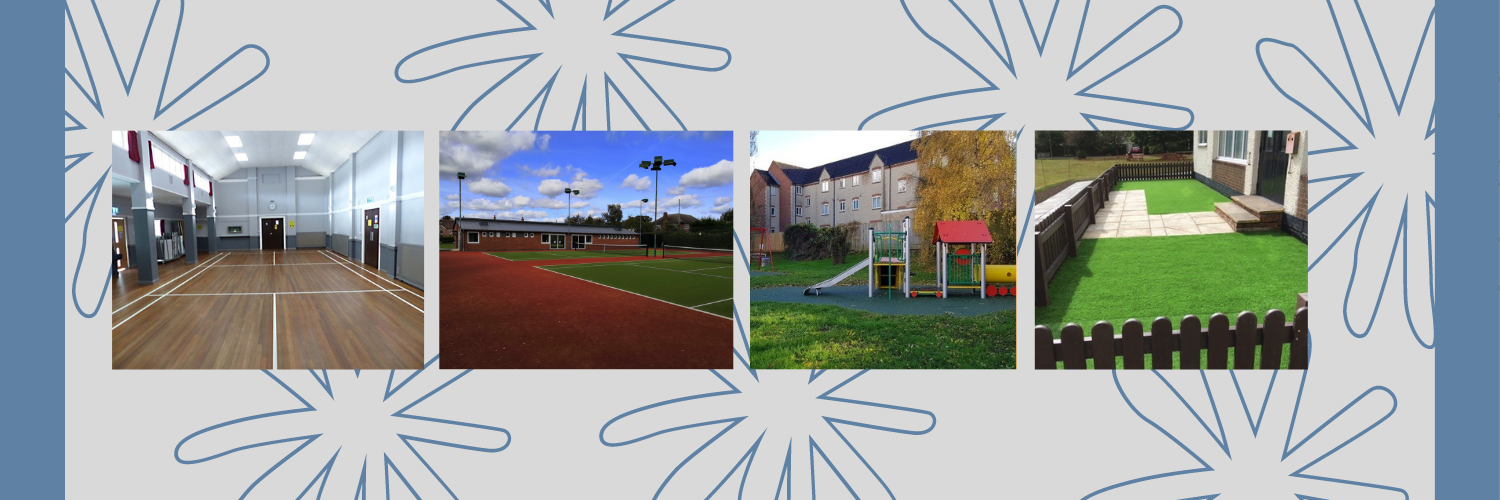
<point x="1051" y="172"/>
<point x="704" y="286"/>
<point x="1176" y="196"/>
<point x="445" y="246"/>
<point x="810" y="272"/>
<point x="804" y="336"/>
<point x="1115" y="279"/>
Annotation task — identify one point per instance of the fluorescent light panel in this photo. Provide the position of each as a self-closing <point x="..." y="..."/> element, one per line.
<point x="304" y="139"/>
<point x="242" y="157"/>
<point x="234" y="141"/>
<point x="299" y="155"/>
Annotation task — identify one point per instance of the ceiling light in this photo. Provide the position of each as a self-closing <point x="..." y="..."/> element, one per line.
<point x="234" y="141"/>
<point x="304" y="139"/>
<point x="299" y="155"/>
<point x="242" y="157"/>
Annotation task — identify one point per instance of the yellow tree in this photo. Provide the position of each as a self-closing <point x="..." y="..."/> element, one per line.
<point x="967" y="176"/>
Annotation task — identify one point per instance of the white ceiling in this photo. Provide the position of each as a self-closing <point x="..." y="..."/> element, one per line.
<point x="211" y="151"/>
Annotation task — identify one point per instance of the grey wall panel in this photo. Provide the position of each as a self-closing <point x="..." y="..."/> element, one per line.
<point x="312" y="198"/>
<point x="409" y="261"/>
<point x="203" y="244"/>
<point x="413" y="223"/>
<point x="171" y="211"/>
<point x="311" y="239"/>
<point x="341" y="180"/>
<point x="355" y="251"/>
<point x="274" y="185"/>
<point x="387" y="259"/>
<point x="339" y="243"/>
<point x="240" y="243"/>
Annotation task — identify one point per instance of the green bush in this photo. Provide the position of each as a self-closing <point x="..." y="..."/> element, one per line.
<point x="807" y="242"/>
<point x="719" y="240"/>
<point x="445" y="239"/>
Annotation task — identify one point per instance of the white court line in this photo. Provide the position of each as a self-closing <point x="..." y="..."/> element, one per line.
<point x="633" y="293"/>
<point x="169" y="292"/>
<point x="268" y="293"/>
<point x="712" y="303"/>
<point x="378" y="275"/>
<point x="185" y="273"/>
<point x="498" y="257"/>
<point x="273" y="331"/>
<point x="393" y="294"/>
<point x="636" y="263"/>
<point x="269" y="265"/>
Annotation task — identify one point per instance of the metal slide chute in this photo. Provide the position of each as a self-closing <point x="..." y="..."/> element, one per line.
<point x="817" y="289"/>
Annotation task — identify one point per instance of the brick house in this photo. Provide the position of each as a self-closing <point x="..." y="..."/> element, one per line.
<point x="1256" y="162"/>
<point x="445" y="227"/>
<point x="490" y="235"/>
<point x="865" y="188"/>
<point x="683" y="221"/>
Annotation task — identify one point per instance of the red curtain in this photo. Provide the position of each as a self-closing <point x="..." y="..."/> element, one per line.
<point x="185" y="175"/>
<point x="134" y="146"/>
<point x="210" y="188"/>
<point x="150" y="153"/>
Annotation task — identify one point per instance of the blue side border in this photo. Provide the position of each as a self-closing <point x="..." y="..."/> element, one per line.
<point x="1468" y="251"/>
<point x="32" y="370"/>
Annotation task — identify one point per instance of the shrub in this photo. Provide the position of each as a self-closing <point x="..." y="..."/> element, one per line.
<point x="445" y="239"/>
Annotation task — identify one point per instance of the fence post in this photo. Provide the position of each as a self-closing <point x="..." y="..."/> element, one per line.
<point x="1132" y="346"/>
<point x="1103" y="336"/>
<point x="1068" y="228"/>
<point x="1072" y="348"/>
<point x="1192" y="342"/>
<point x="1275" y="336"/>
<point x="1299" y="359"/>
<point x="1041" y="271"/>
<point x="1218" y="341"/>
<point x="1161" y="344"/>
<point x="1244" y="345"/>
<point x="1045" y="358"/>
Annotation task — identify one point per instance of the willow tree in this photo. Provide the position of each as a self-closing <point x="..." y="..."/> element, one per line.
<point x="967" y="176"/>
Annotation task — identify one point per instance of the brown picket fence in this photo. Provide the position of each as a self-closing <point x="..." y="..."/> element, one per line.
<point x="1103" y="346"/>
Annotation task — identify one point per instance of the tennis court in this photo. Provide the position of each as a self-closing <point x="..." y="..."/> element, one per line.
<point x="695" y="278"/>
<point x="590" y="251"/>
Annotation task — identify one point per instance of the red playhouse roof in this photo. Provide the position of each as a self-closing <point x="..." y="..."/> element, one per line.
<point x="962" y="231"/>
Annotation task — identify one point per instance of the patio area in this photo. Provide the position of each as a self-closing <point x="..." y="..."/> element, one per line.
<point x="1125" y="216"/>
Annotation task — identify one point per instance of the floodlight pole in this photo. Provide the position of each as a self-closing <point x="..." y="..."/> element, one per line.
<point x="460" y="206"/>
<point x="655" y="166"/>
<point x="569" y="220"/>
<point x="639" y="224"/>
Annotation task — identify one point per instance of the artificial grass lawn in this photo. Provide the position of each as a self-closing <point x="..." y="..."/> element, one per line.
<point x="445" y="246"/>
<point x="1286" y="359"/>
<point x="1116" y="279"/>
<point x="810" y="272"/>
<point x="704" y="286"/>
<point x="1175" y="196"/>
<point x="784" y="335"/>
<point x="564" y="254"/>
<point x="1053" y="171"/>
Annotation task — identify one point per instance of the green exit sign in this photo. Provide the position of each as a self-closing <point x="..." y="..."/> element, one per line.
<point x="369" y="199"/>
<point x="114" y="210"/>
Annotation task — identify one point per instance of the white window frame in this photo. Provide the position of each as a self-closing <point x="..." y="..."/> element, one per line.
<point x="1202" y="138"/>
<point x="843" y="183"/>
<point x="875" y="202"/>
<point x="874" y="176"/>
<point x="842" y="205"/>
<point x="119" y="138"/>
<point x="1233" y="146"/>
<point x="826" y="184"/>
<point x="901" y="185"/>
<point x="856" y="179"/>
<point x="797" y="211"/>
<point x="809" y="201"/>
<point x="773" y="210"/>
<point x="473" y="236"/>
<point x="797" y="190"/>
<point x="855" y="206"/>
<point x="825" y="209"/>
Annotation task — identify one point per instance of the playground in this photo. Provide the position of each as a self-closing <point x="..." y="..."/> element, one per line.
<point x="885" y="310"/>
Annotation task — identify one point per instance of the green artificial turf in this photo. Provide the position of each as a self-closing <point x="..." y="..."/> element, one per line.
<point x="810" y="272"/>
<point x="1116" y="279"/>
<point x="784" y="335"/>
<point x="1175" y="196"/>
<point x="445" y="246"/>
<point x="564" y="254"/>
<point x="704" y="286"/>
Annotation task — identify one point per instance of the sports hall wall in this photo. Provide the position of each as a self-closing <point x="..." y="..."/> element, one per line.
<point x="386" y="173"/>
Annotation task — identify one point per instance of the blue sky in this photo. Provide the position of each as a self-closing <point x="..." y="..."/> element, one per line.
<point x="810" y="149"/>
<point x="511" y="175"/>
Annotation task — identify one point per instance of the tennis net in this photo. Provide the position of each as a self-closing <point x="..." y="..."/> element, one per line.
<point x="618" y="249"/>
<point x="700" y="254"/>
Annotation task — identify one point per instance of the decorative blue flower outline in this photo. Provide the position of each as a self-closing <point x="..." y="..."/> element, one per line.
<point x="96" y="102"/>
<point x="580" y="117"/>
<point x="322" y="476"/>
<point x="1006" y="58"/>
<point x="1221" y="439"/>
<point x="1363" y="216"/>
<point x="728" y="423"/>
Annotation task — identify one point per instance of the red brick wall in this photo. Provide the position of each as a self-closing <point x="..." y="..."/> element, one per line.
<point x="501" y="243"/>
<point x="1231" y="175"/>
<point x="1302" y="200"/>
<point x="785" y="209"/>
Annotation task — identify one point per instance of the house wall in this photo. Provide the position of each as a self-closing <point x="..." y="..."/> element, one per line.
<point x="1296" y="177"/>
<point x="892" y="197"/>
<point x="495" y="241"/>
<point x="759" y="208"/>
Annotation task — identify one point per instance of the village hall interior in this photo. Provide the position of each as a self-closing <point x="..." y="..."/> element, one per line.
<point x="260" y="250"/>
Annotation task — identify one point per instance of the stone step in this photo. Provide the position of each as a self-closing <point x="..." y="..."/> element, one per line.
<point x="1264" y="210"/>
<point x="1242" y="220"/>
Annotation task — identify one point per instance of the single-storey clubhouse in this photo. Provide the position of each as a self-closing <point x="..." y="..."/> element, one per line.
<point x="492" y="235"/>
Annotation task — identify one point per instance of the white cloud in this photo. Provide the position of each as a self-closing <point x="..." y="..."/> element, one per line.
<point x="670" y="205"/>
<point x="548" y="203"/>
<point x="722" y="200"/>
<point x="520" y="201"/>
<point x="587" y="187"/>
<point x="489" y="187"/>
<point x="676" y="190"/>
<point x="637" y="182"/>
<point x="544" y="171"/>
<point x="718" y="174"/>
<point x="633" y="204"/>
<point x="580" y="204"/>
<point x="722" y="207"/>
<point x="452" y="197"/>
<point x="488" y="204"/>
<point x="452" y="204"/>
<point x="473" y="153"/>
<point x="551" y="187"/>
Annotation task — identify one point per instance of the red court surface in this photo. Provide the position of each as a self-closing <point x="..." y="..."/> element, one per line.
<point x="502" y="314"/>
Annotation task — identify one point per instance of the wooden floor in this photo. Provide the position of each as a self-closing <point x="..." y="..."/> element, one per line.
<point x="255" y="309"/>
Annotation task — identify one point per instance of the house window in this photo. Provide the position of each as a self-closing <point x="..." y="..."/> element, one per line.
<point x="841" y="205"/>
<point x="825" y="208"/>
<point x="797" y="211"/>
<point x="167" y="163"/>
<point x="1202" y="138"/>
<point x="809" y="201"/>
<point x="797" y="190"/>
<point x="1232" y="144"/>
<point x="773" y="210"/>
<point x="118" y="137"/>
<point x="875" y="202"/>
<point x="874" y="176"/>
<point x="856" y="203"/>
<point x="473" y="237"/>
<point x="901" y="185"/>
<point x="825" y="186"/>
<point x="856" y="179"/>
<point x="843" y="183"/>
<point x="775" y="192"/>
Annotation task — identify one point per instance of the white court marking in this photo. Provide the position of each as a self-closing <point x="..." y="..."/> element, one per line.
<point x="393" y="294"/>
<point x="189" y="271"/>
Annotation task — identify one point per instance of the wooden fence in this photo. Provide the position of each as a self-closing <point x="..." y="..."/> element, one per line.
<point x="1132" y="344"/>
<point x="1057" y="233"/>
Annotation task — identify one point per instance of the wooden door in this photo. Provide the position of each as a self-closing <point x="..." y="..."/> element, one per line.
<point x="272" y="234"/>
<point x="1270" y="168"/>
<point x="121" y="244"/>
<point x="372" y="237"/>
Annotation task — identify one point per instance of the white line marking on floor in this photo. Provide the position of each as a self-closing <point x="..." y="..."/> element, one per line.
<point x="184" y="273"/>
<point x="169" y="292"/>
<point x="393" y="294"/>
<point x="273" y="331"/>
<point x="269" y="265"/>
<point x="270" y="293"/>
<point x="378" y="275"/>
<point x="633" y="293"/>
<point x="712" y="303"/>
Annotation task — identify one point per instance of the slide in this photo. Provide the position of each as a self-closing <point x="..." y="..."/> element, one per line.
<point x="816" y="289"/>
